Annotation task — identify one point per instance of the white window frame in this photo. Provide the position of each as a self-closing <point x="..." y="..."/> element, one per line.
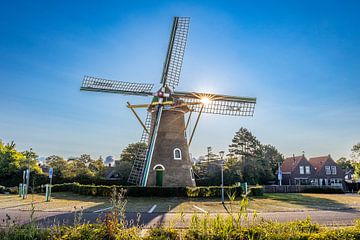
<point x="175" y="150"/>
<point x="307" y="169"/>
<point x="327" y="170"/>
<point x="333" y="170"/>
<point x="161" y="167"/>
<point x="301" y="169"/>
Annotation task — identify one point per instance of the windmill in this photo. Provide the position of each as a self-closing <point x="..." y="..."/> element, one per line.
<point x="164" y="159"/>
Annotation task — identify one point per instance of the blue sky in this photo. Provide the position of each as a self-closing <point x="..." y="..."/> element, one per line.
<point x="299" y="58"/>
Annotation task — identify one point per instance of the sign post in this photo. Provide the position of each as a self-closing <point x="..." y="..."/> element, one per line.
<point x="23" y="185"/>
<point x="48" y="186"/>
<point x="279" y="175"/>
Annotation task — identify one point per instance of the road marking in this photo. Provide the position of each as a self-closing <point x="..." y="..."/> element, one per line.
<point x="152" y="208"/>
<point x="200" y="209"/>
<point x="101" y="210"/>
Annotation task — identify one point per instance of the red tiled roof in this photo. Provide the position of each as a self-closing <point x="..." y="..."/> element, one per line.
<point x="318" y="162"/>
<point x="290" y="163"/>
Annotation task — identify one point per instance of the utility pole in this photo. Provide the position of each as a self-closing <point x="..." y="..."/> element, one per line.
<point x="28" y="173"/>
<point x="221" y="153"/>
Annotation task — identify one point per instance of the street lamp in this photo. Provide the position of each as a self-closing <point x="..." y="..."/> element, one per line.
<point x="221" y="153"/>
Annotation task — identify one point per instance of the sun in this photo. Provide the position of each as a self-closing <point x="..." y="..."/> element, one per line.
<point x="205" y="100"/>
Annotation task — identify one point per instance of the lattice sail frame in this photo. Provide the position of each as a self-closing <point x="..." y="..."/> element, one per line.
<point x="104" y="85"/>
<point x="175" y="53"/>
<point x="218" y="104"/>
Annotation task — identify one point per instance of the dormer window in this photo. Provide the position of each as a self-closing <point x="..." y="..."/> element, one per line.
<point x="301" y="169"/>
<point x="333" y="170"/>
<point x="307" y="169"/>
<point x="327" y="170"/>
<point x="177" y="154"/>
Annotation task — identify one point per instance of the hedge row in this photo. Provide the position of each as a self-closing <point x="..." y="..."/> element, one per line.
<point x="135" y="191"/>
<point x="256" y="191"/>
<point x="323" y="190"/>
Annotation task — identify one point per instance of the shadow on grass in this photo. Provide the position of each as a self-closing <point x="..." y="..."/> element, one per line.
<point x="311" y="202"/>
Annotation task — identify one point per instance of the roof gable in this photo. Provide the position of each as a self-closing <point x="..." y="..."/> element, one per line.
<point x="291" y="163"/>
<point x="319" y="162"/>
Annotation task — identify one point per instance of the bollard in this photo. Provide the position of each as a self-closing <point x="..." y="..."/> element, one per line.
<point x="47" y="192"/>
<point x="24" y="193"/>
<point x="20" y="190"/>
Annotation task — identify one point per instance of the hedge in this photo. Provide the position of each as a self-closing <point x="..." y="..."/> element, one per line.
<point x="256" y="191"/>
<point x="323" y="190"/>
<point x="135" y="191"/>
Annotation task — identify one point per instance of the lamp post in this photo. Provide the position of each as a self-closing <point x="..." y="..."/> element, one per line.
<point x="221" y="153"/>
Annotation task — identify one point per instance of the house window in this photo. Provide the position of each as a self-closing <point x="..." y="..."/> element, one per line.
<point x="333" y="170"/>
<point x="301" y="169"/>
<point x="307" y="169"/>
<point x="177" y="154"/>
<point x="327" y="170"/>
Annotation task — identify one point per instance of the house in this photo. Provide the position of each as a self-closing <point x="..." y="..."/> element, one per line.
<point x="297" y="170"/>
<point x="317" y="171"/>
<point x="328" y="173"/>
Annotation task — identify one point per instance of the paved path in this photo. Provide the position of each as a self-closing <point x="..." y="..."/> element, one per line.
<point x="44" y="218"/>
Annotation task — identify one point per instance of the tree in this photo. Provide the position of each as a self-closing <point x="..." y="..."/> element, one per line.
<point x="258" y="162"/>
<point x="97" y="168"/>
<point x="12" y="164"/>
<point x="129" y="153"/>
<point x="59" y="165"/>
<point x="355" y="152"/>
<point x="345" y="164"/>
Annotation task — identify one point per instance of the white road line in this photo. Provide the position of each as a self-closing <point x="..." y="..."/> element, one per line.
<point x="101" y="210"/>
<point x="152" y="208"/>
<point x="200" y="209"/>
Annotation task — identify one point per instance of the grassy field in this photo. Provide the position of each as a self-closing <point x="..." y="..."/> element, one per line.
<point x="65" y="202"/>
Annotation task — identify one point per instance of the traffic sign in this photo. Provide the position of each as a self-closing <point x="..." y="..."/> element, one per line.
<point x="50" y="172"/>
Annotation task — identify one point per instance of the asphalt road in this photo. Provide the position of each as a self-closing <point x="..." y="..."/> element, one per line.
<point x="46" y="218"/>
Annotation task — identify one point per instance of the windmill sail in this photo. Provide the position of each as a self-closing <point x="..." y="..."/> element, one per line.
<point x="218" y="104"/>
<point x="95" y="84"/>
<point x="175" y="53"/>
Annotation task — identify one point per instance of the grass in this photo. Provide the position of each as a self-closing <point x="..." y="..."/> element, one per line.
<point x="65" y="202"/>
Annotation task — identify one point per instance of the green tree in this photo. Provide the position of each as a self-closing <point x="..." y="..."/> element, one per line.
<point x="129" y="153"/>
<point x="345" y="164"/>
<point x="97" y="168"/>
<point x="355" y="154"/>
<point x="258" y="162"/>
<point x="59" y="165"/>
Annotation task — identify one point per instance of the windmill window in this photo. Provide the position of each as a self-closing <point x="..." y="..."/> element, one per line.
<point x="177" y="154"/>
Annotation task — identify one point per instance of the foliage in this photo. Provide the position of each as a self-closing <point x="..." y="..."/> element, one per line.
<point x="256" y="191"/>
<point x="328" y="190"/>
<point x="214" y="191"/>
<point x="344" y="164"/>
<point x="13" y="163"/>
<point x="129" y="153"/>
<point x="355" y="152"/>
<point x="254" y="162"/>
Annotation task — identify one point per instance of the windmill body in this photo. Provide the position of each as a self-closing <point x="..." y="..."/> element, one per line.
<point x="164" y="159"/>
<point x="171" y="163"/>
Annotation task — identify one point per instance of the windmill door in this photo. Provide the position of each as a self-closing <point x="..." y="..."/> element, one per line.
<point x="159" y="177"/>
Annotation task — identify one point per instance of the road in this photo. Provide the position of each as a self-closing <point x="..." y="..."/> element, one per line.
<point x="48" y="218"/>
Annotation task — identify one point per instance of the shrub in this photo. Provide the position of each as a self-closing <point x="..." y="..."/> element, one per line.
<point x="135" y="191"/>
<point x="323" y="190"/>
<point x="256" y="191"/>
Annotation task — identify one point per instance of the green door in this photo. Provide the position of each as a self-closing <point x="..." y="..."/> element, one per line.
<point x="159" y="177"/>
